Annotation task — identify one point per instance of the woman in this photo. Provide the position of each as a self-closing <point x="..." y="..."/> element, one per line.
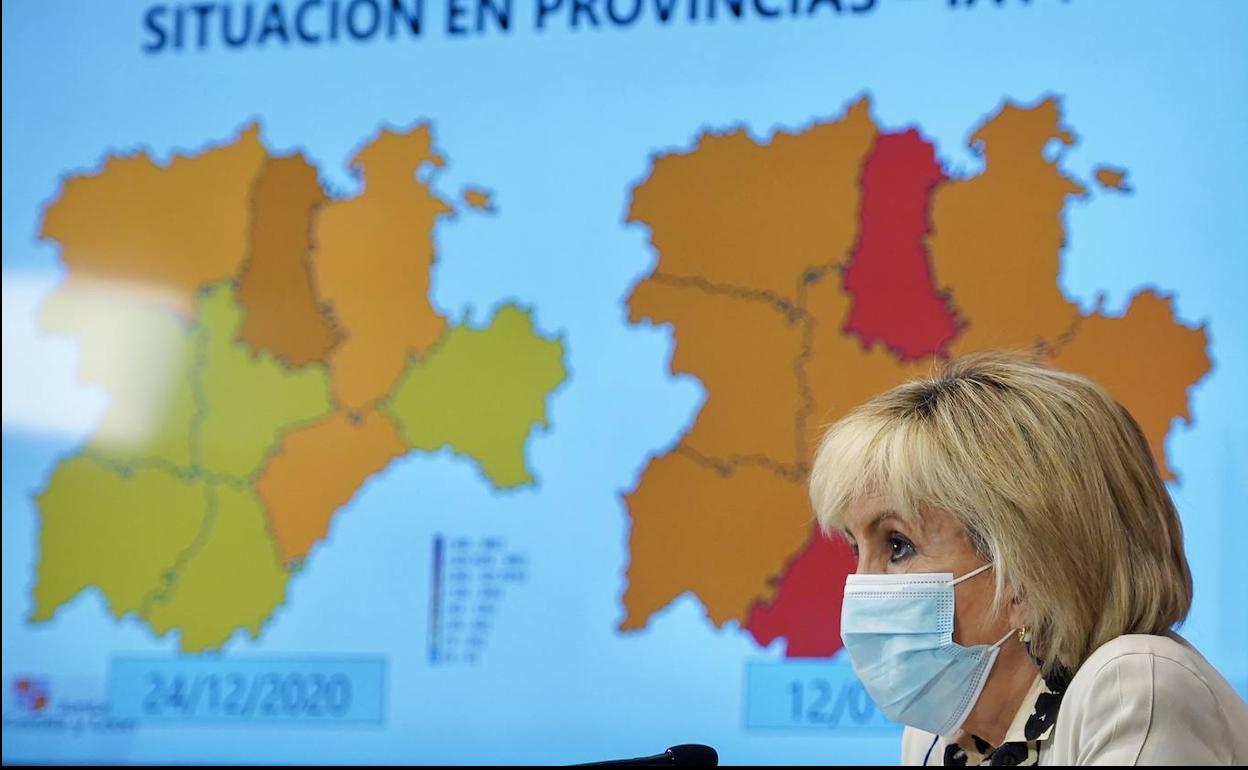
<point x="1020" y="566"/>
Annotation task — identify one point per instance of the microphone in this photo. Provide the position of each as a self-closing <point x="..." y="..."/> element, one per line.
<point x="684" y="755"/>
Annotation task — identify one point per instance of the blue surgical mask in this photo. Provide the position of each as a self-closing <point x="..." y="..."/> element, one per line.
<point x="898" y="631"/>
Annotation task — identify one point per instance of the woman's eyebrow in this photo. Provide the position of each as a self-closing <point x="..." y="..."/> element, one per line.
<point x="875" y="522"/>
<point x="882" y="517"/>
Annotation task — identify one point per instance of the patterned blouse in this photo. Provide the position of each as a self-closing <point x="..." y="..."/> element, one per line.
<point x="1033" y="724"/>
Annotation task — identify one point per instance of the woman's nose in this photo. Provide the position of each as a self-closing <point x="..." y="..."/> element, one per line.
<point x="870" y="564"/>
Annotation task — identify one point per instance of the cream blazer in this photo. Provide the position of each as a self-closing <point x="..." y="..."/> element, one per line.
<point x="1138" y="700"/>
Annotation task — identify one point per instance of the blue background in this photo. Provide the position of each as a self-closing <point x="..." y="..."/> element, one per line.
<point x="560" y="124"/>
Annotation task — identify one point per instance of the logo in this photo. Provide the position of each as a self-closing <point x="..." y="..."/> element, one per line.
<point x="31" y="694"/>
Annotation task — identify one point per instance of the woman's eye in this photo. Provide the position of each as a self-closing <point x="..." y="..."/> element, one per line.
<point x="902" y="548"/>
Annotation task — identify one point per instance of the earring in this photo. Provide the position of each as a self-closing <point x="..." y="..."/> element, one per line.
<point x="1023" y="633"/>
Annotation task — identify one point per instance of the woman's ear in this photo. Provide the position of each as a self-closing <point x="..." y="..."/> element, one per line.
<point x="1019" y="612"/>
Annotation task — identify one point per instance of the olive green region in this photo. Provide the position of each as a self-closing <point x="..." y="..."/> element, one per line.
<point x="481" y="391"/>
<point x="231" y="579"/>
<point x="122" y="533"/>
<point x="142" y="357"/>
<point x="167" y="528"/>
<point x="248" y="399"/>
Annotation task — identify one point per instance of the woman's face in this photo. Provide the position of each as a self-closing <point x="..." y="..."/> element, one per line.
<point x="884" y="544"/>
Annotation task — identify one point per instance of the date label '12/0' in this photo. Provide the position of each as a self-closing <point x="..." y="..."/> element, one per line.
<point x="809" y="695"/>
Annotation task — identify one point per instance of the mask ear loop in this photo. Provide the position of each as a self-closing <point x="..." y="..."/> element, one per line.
<point x="1008" y="634"/>
<point x="972" y="574"/>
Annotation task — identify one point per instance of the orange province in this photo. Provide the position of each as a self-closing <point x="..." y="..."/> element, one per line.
<point x="1112" y="178"/>
<point x="283" y="314"/>
<point x="372" y="265"/>
<point x="317" y="469"/>
<point x="728" y="528"/>
<point x="728" y="338"/>
<point x="997" y="237"/>
<point x="739" y="213"/>
<point x="154" y="233"/>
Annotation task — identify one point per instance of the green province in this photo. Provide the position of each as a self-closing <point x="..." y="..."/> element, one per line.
<point x="481" y="392"/>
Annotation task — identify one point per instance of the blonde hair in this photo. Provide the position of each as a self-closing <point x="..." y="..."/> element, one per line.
<point x="1052" y="479"/>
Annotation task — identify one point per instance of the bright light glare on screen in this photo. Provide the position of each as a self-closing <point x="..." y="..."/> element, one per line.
<point x="118" y="396"/>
